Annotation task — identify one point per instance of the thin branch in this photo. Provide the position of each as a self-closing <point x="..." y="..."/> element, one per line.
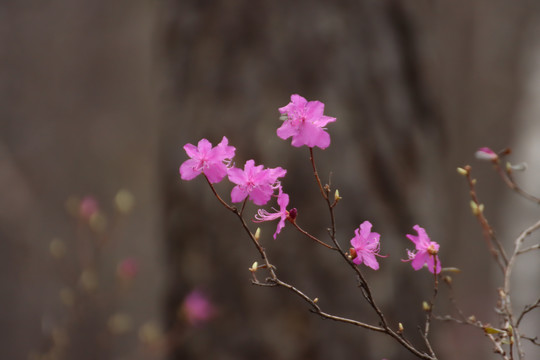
<point x="311" y="236"/>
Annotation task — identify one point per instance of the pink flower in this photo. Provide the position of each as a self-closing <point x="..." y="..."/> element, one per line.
<point x="426" y="251"/>
<point x="127" y="269"/>
<point x="88" y="207"/>
<point x="197" y="308"/>
<point x="254" y="181"/>
<point x="282" y="214"/>
<point x="305" y="122"/>
<point x="365" y="245"/>
<point x="207" y="159"/>
<point x="486" y="154"/>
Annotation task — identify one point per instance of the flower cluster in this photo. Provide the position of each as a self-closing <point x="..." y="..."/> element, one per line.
<point x="305" y="123"/>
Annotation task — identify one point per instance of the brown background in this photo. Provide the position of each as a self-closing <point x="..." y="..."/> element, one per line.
<point x="98" y="95"/>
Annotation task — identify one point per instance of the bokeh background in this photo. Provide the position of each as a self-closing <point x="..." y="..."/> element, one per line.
<point x="99" y="96"/>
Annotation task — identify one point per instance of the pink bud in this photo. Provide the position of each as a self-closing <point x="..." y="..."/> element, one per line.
<point x="486" y="154"/>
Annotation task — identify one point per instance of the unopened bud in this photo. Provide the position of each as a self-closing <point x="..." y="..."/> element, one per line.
<point x="474" y="208"/>
<point x="448" y="279"/>
<point x="336" y="196"/>
<point x="352" y="254"/>
<point x="462" y="171"/>
<point x="316" y="300"/>
<point x="400" y="328"/>
<point x="474" y="181"/>
<point x="426" y="306"/>
<point x="292" y="214"/>
<point x="254" y="267"/>
<point x="517" y="167"/>
<point x="257" y="235"/>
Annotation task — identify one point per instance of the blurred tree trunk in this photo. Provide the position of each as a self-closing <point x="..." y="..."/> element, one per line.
<point x="79" y="113"/>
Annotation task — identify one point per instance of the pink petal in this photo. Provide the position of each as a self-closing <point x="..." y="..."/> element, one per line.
<point x="431" y="263"/>
<point x="238" y="194"/>
<point x="204" y="146"/>
<point x="419" y="260"/>
<point x="286" y="130"/>
<point x="370" y="260"/>
<point x="280" y="225"/>
<point x="365" y="228"/>
<point x="191" y="150"/>
<point x="237" y="176"/>
<point x="314" y="110"/>
<point x="261" y="195"/>
<point x="187" y="169"/>
<point x="216" y="172"/>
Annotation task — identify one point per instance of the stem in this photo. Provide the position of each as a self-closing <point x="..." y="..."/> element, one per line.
<point x="311" y="236"/>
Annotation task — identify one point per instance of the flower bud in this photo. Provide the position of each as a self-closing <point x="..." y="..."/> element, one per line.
<point x="426" y="306"/>
<point x="336" y="196"/>
<point x="292" y="214"/>
<point x="486" y="154"/>
<point x="257" y="235"/>
<point x="316" y="300"/>
<point x="517" y="167"/>
<point x="400" y="328"/>
<point x="352" y="253"/>
<point x="254" y="267"/>
<point x="474" y="208"/>
<point x="462" y="171"/>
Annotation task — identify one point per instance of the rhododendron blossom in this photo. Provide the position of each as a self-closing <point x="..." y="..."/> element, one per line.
<point x="282" y="214"/>
<point x="426" y="251"/>
<point x="365" y="245"/>
<point x="486" y="153"/>
<point x="254" y="181"/>
<point x="197" y="308"/>
<point x="212" y="161"/>
<point x="305" y="122"/>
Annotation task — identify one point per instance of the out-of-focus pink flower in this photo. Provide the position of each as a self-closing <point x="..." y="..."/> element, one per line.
<point x="486" y="154"/>
<point x="305" y="123"/>
<point x="426" y="251"/>
<point x="197" y="308"/>
<point x="366" y="245"/>
<point x="88" y="207"/>
<point x="127" y="269"/>
<point x="212" y="161"/>
<point x="254" y="181"/>
<point x="282" y="214"/>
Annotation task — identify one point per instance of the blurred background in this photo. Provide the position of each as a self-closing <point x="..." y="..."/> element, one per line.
<point x="106" y="254"/>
